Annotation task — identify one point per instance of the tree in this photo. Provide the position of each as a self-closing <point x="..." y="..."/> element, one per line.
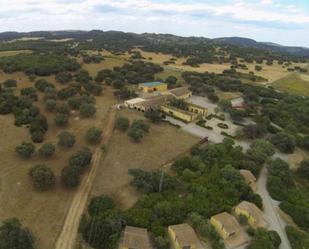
<point x="66" y="139"/>
<point x="37" y="136"/>
<point x="122" y="123"/>
<point x="265" y="239"/>
<point x="25" y="149"/>
<point x="87" y="110"/>
<point x="100" y="204"/>
<point x="140" y="124"/>
<point x="284" y="142"/>
<point x="253" y="131"/>
<point x="47" y="150"/>
<point x="43" y="177"/>
<point x="154" y="116"/>
<point x="94" y="135"/>
<point x="50" y="104"/>
<point x="304" y="169"/>
<point x="61" y="119"/>
<point x="64" y="77"/>
<point x="10" y="83"/>
<point x="70" y="176"/>
<point x="171" y="81"/>
<point x="258" y="68"/>
<point x="81" y="158"/>
<point x="136" y="134"/>
<point x="14" y="235"/>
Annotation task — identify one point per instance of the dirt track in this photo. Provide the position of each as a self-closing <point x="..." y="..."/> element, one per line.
<point x="67" y="237"/>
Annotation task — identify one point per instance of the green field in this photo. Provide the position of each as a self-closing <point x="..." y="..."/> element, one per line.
<point x="14" y="52"/>
<point x="293" y="83"/>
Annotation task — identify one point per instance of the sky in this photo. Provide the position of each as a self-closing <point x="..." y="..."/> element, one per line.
<point x="280" y="21"/>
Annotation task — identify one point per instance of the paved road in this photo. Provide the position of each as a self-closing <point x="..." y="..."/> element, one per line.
<point x="67" y="237"/>
<point x="271" y="210"/>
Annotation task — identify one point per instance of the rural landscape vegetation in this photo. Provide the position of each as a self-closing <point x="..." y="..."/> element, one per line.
<point x="78" y="166"/>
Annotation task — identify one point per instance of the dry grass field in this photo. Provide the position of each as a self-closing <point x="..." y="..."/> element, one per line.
<point x="43" y="213"/>
<point x="163" y="143"/>
<point x="294" y="83"/>
<point x="14" y="52"/>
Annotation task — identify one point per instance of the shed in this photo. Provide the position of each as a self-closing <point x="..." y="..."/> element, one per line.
<point x="135" y="238"/>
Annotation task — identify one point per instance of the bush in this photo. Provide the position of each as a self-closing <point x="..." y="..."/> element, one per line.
<point x="94" y="135"/>
<point x="25" y="149"/>
<point x="154" y="116"/>
<point x="87" y="110"/>
<point x="14" y="235"/>
<point x="135" y="134"/>
<point x="223" y="126"/>
<point x="43" y="177"/>
<point x="66" y="139"/>
<point x="61" y="119"/>
<point x="122" y="123"/>
<point x="258" y="68"/>
<point x="47" y="150"/>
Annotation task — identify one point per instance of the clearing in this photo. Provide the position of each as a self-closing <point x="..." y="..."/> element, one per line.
<point x="295" y="83"/>
<point x="14" y="52"/>
<point x="157" y="148"/>
<point x="17" y="196"/>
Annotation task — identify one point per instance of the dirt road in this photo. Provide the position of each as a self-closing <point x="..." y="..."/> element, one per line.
<point x="67" y="237"/>
<point x="271" y="211"/>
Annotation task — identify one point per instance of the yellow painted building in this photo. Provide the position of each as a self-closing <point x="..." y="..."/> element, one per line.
<point x="183" y="236"/>
<point x="226" y="225"/>
<point x="253" y="214"/>
<point x="179" y="114"/>
<point x="197" y="109"/>
<point x="149" y="87"/>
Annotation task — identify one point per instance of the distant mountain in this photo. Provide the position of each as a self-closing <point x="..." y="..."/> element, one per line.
<point x="239" y="41"/>
<point x="148" y="38"/>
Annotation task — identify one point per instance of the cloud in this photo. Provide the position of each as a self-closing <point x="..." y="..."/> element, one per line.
<point x="185" y="17"/>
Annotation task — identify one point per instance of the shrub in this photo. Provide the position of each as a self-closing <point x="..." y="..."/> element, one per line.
<point x="25" y="149"/>
<point x="47" y="150"/>
<point x="154" y="116"/>
<point x="87" y="110"/>
<point x="223" y="126"/>
<point x="258" y="68"/>
<point x="135" y="134"/>
<point x="66" y="139"/>
<point x="43" y="177"/>
<point x="61" y="119"/>
<point x="94" y="135"/>
<point x="140" y="124"/>
<point x="122" y="123"/>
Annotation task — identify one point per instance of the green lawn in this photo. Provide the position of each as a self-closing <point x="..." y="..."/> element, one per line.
<point x="293" y="83"/>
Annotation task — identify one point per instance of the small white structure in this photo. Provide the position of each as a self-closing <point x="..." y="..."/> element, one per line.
<point x="132" y="102"/>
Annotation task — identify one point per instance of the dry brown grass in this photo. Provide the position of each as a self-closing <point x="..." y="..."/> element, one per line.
<point x="14" y="52"/>
<point x="43" y="213"/>
<point x="163" y="143"/>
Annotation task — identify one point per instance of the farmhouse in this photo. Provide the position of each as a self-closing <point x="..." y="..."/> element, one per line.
<point x="249" y="178"/>
<point x="229" y="229"/>
<point x="181" y="93"/>
<point x="133" y="102"/>
<point x="197" y="109"/>
<point x="135" y="238"/>
<point x="183" y="236"/>
<point x="183" y="115"/>
<point x="149" y="87"/>
<point x="152" y="103"/>
<point x="253" y="214"/>
<point x="225" y="224"/>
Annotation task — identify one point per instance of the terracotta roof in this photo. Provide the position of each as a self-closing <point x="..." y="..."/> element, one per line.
<point x="249" y="177"/>
<point x="228" y="221"/>
<point x="180" y="91"/>
<point x="185" y="235"/>
<point x="254" y="211"/>
<point x="156" y="101"/>
<point x="136" y="238"/>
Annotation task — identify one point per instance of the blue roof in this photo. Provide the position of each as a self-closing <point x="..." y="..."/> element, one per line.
<point x="156" y="83"/>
